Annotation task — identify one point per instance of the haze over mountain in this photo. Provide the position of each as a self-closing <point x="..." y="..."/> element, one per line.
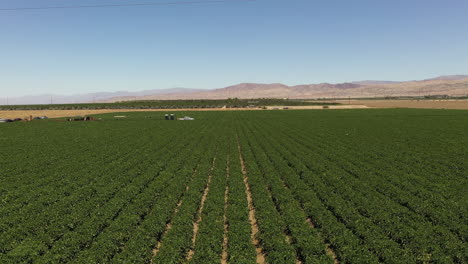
<point x="453" y="85"/>
<point x="90" y="97"/>
<point x="443" y="85"/>
<point x="449" y="77"/>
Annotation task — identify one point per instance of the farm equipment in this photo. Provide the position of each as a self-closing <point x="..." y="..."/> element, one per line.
<point x="85" y="118"/>
<point x="187" y="118"/>
<point x="10" y="120"/>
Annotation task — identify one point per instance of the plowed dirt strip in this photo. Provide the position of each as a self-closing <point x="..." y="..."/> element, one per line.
<point x="290" y="241"/>
<point x="168" y="227"/>
<point x="224" y="255"/>
<point x="252" y="218"/>
<point x="80" y="112"/>
<point x="169" y="224"/>
<point x="328" y="249"/>
<point x="196" y="224"/>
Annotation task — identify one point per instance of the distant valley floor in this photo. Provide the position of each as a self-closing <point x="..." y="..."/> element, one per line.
<point x="352" y="104"/>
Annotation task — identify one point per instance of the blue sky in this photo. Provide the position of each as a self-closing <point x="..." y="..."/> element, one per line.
<point x="69" y="51"/>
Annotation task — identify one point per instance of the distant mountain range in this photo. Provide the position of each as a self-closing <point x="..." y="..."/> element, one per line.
<point x="449" y="78"/>
<point x="454" y="85"/>
<point x="91" y="97"/>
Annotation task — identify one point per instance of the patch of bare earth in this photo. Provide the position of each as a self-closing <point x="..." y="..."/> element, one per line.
<point x="196" y="224"/>
<point x="168" y="227"/>
<point x="289" y="241"/>
<point x="224" y="255"/>
<point x="426" y="104"/>
<point x="328" y="249"/>
<point x="169" y="224"/>
<point x="318" y="107"/>
<point x="71" y="113"/>
<point x="252" y="218"/>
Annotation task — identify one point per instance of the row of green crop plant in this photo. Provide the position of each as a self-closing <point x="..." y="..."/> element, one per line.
<point x="161" y="199"/>
<point x="305" y="239"/>
<point x="58" y="191"/>
<point x="196" y="233"/>
<point x="170" y="104"/>
<point x="417" y="189"/>
<point x="347" y="245"/>
<point x="67" y="177"/>
<point x="139" y="246"/>
<point x="281" y="166"/>
<point x="208" y="243"/>
<point x="107" y="202"/>
<point x="404" y="196"/>
<point x="52" y="182"/>
<point x="240" y="247"/>
<point x="272" y="228"/>
<point x="422" y="161"/>
<point x="392" y="218"/>
<point x="409" y="189"/>
<point x="177" y="242"/>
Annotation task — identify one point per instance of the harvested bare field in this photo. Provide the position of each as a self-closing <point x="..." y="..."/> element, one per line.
<point x="429" y="104"/>
<point x="70" y="113"/>
<point x="354" y="104"/>
<point x="305" y="107"/>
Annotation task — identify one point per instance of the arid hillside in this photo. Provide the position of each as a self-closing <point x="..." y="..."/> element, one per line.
<point x="438" y="86"/>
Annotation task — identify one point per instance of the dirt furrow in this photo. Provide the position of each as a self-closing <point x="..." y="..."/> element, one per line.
<point x="328" y="249"/>
<point x="196" y="224"/>
<point x="252" y="218"/>
<point x="224" y="255"/>
<point x="169" y="224"/>
<point x="289" y="240"/>
<point x="168" y="227"/>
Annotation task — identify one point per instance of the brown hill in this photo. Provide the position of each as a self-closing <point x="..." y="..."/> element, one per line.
<point x="438" y="86"/>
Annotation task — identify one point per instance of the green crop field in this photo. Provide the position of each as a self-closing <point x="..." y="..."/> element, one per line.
<point x="300" y="186"/>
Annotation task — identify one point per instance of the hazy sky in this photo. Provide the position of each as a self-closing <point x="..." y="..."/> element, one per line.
<point x="67" y="51"/>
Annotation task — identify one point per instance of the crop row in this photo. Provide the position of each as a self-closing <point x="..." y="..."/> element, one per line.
<point x="367" y="186"/>
<point x="353" y="203"/>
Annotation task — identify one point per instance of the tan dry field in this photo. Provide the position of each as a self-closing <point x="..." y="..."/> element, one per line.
<point x="347" y="106"/>
<point x="353" y="104"/>
<point x="428" y="104"/>
<point x="71" y="113"/>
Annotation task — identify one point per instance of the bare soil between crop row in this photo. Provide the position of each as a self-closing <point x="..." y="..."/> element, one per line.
<point x="252" y="219"/>
<point x="225" y="254"/>
<point x="422" y="104"/>
<point x="196" y="224"/>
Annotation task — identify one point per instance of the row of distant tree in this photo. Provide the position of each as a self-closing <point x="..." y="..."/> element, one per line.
<point x="171" y="104"/>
